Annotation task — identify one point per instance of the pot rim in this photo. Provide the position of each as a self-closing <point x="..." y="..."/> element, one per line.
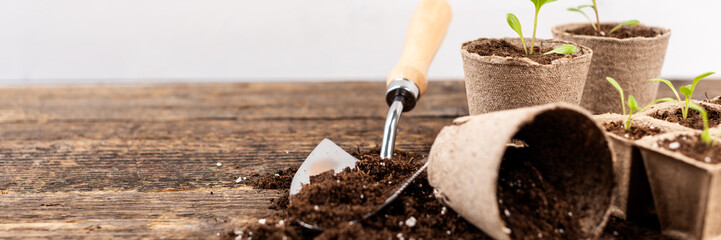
<point x="561" y="30"/>
<point x="665" y="126"/>
<point x="647" y="145"/>
<point x="585" y="54"/>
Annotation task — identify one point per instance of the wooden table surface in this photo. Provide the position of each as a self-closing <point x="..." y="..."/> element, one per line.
<point x="140" y="161"/>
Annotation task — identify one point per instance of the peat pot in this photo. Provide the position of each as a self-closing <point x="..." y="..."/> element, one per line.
<point x="686" y="190"/>
<point x="495" y="83"/>
<point x="471" y="161"/>
<point x="632" y="193"/>
<point x="631" y="61"/>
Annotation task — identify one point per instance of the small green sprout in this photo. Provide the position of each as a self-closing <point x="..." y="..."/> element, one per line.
<point x="632" y="103"/>
<point x="516" y="25"/>
<point x="705" y="136"/>
<point x="597" y="25"/>
<point x="578" y="10"/>
<point x="563" y="50"/>
<point x="620" y="90"/>
<point x="626" y="23"/>
<point x="687" y="91"/>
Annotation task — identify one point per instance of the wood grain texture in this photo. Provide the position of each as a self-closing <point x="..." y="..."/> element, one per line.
<point x="139" y="161"/>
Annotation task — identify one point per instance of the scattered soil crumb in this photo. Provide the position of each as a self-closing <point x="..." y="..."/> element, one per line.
<point x="278" y="180"/>
<point x="502" y="48"/>
<point x="622" y="33"/>
<point x="693" y="119"/>
<point x="636" y="132"/>
<point x="693" y="147"/>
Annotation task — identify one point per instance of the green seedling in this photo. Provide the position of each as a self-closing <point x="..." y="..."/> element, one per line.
<point x="705" y="136"/>
<point x="597" y="25"/>
<point x="578" y="10"/>
<point x="687" y="91"/>
<point x="563" y="50"/>
<point x="626" y="23"/>
<point x="516" y="25"/>
<point x="632" y="103"/>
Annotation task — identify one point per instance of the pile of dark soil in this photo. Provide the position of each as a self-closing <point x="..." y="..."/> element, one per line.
<point x="414" y="214"/>
<point x="502" y="48"/>
<point x="417" y="214"/>
<point x="636" y="132"/>
<point x="623" y="32"/>
<point x="693" y="119"/>
<point x="693" y="147"/>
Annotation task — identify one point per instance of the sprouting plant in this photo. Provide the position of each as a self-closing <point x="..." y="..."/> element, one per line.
<point x="563" y="50"/>
<point x="705" y="136"/>
<point x="597" y="25"/>
<point x="687" y="91"/>
<point x="626" y="23"/>
<point x="516" y="25"/>
<point x="632" y="103"/>
<point x="578" y="10"/>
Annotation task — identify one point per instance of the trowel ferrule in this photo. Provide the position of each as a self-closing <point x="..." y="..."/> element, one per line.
<point x="401" y="96"/>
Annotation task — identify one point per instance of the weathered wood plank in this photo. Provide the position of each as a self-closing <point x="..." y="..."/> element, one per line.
<point x="88" y="156"/>
<point x="239" y="101"/>
<point x="101" y="215"/>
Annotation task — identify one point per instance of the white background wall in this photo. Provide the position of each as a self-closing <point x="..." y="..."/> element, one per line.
<point x="130" y="41"/>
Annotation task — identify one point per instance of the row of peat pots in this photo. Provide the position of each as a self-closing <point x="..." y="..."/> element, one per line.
<point x="649" y="161"/>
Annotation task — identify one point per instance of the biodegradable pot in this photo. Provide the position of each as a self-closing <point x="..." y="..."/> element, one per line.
<point x="571" y="152"/>
<point x="496" y="83"/>
<point x="632" y="193"/>
<point x="631" y="61"/>
<point x="686" y="192"/>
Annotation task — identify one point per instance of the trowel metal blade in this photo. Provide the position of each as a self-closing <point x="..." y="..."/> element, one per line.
<point x="325" y="157"/>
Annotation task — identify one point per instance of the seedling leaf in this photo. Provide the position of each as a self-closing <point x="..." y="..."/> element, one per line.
<point x="516" y="26"/>
<point x="626" y="23"/>
<point x="578" y="10"/>
<point x="686" y="91"/>
<point x="669" y="84"/>
<point x="620" y="91"/>
<point x="705" y="136"/>
<point x="540" y="3"/>
<point x="697" y="79"/>
<point x="632" y="106"/>
<point x="563" y="50"/>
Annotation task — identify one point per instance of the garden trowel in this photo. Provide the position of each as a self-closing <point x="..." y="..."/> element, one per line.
<point x="406" y="83"/>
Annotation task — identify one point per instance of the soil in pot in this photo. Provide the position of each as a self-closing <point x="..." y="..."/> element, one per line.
<point x="693" y="147"/>
<point x="414" y="214"/>
<point x="693" y="118"/>
<point x="530" y="205"/>
<point x="502" y="48"/>
<point x="623" y="32"/>
<point x="636" y="132"/>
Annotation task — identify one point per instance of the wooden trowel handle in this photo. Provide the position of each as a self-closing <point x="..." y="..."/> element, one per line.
<point x="426" y="32"/>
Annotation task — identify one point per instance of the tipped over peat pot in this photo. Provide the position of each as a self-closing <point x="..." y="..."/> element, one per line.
<point x="632" y="194"/>
<point x="500" y="80"/>
<point x="632" y="61"/>
<point x="685" y="179"/>
<point x="545" y="171"/>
